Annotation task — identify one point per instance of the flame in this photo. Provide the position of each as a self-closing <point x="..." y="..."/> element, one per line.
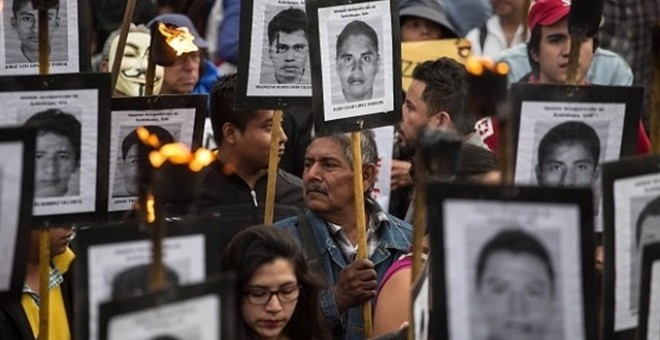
<point x="151" y="209"/>
<point x="477" y="66"/>
<point x="202" y="158"/>
<point x="179" y="38"/>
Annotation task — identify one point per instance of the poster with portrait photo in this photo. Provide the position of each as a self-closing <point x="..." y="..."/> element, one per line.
<point x="19" y="38"/>
<point x="16" y="180"/>
<point x="70" y="112"/>
<point x="274" y="69"/>
<point x="113" y="263"/>
<point x="177" y="118"/>
<point x="356" y="62"/>
<point x="536" y="242"/>
<point x="562" y="134"/>
<point x="204" y="311"/>
<point x="631" y="201"/>
<point x="649" y="302"/>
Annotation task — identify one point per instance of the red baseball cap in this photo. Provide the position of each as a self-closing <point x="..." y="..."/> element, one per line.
<point x="547" y="12"/>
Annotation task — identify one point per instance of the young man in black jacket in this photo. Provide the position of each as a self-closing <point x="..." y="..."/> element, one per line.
<point x="235" y="184"/>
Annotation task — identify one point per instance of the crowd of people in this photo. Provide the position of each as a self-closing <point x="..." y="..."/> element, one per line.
<point x="301" y="278"/>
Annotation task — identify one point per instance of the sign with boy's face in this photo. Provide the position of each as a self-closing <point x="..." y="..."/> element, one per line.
<point x="19" y="38"/>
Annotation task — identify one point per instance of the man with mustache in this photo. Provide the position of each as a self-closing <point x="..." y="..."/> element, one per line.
<point x="25" y="23"/>
<point x="328" y="231"/>
<point x="235" y="183"/>
<point x="288" y="48"/>
<point x="357" y="60"/>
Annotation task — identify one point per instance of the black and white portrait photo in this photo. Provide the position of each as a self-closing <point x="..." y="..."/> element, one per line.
<point x="513" y="270"/>
<point x="194" y="318"/>
<point x="636" y="201"/>
<point x="169" y="125"/>
<point x="66" y="146"/>
<point x="20" y="37"/>
<point x="279" y="50"/>
<point x="120" y="270"/>
<point x="356" y="59"/>
<point x="652" y="321"/>
<point x="11" y="169"/>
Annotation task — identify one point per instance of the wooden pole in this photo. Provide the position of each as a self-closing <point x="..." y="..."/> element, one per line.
<point x="358" y="187"/>
<point x="573" y="59"/>
<point x="151" y="74"/>
<point x="419" y="224"/>
<point x="44" y="235"/>
<point x="44" y="280"/>
<point x="123" y="35"/>
<point x="157" y="271"/>
<point x="272" y="167"/>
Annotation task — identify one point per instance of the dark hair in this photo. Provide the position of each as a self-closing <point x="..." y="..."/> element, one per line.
<point x="17" y="4"/>
<point x="289" y="20"/>
<point x="60" y="123"/>
<point x="447" y="90"/>
<point x="134" y="281"/>
<point x="568" y="133"/>
<point x="533" y="46"/>
<point x="475" y="162"/>
<point x="164" y="337"/>
<point x="518" y="242"/>
<point x="164" y="136"/>
<point x="355" y="28"/>
<point x="222" y="111"/>
<point x="262" y="244"/>
<point x="651" y="209"/>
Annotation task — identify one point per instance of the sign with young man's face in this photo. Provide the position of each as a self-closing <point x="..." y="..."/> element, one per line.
<point x="631" y="201"/>
<point x="274" y="69"/>
<point x="563" y="134"/>
<point x="517" y="264"/>
<point x="19" y="38"/>
<point x="68" y="113"/>
<point x="355" y="54"/>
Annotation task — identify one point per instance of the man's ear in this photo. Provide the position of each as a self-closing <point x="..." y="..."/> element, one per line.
<point x="440" y="119"/>
<point x="13" y="22"/>
<point x="369" y="174"/>
<point x="596" y="172"/>
<point x="537" y="169"/>
<point x="229" y="133"/>
<point x="535" y="56"/>
<point x="57" y="20"/>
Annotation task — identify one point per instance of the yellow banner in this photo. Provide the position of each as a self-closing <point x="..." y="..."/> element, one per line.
<point x="415" y="53"/>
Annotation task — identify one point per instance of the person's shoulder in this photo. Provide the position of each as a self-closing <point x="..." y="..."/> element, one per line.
<point x="513" y="53"/>
<point x="399" y="223"/>
<point x="290" y="178"/>
<point x="289" y="224"/>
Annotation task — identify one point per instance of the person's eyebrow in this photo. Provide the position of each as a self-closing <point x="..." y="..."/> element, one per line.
<point x="556" y="36"/>
<point x="132" y="45"/>
<point x="287" y="283"/>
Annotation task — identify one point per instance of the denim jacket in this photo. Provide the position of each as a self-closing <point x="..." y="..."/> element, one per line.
<point x="395" y="238"/>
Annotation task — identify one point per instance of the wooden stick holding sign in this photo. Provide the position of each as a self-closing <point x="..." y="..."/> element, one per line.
<point x="121" y="45"/>
<point x="583" y="22"/>
<point x="273" y="159"/>
<point x="360" y="223"/>
<point x="655" y="94"/>
<point x="44" y="236"/>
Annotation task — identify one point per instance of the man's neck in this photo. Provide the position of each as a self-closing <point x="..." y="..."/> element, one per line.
<point x="345" y="218"/>
<point x="248" y="174"/>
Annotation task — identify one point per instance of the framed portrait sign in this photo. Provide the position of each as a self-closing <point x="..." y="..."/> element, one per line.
<point x="71" y="115"/>
<point x="273" y="68"/>
<point x="631" y="202"/>
<point x="67" y="37"/>
<point x="204" y="311"/>
<point x="113" y="263"/>
<point x="649" y="302"/>
<point x="176" y="118"/>
<point x="563" y="133"/>
<point x="356" y="64"/>
<point x="511" y="262"/>
<point x="17" y="147"/>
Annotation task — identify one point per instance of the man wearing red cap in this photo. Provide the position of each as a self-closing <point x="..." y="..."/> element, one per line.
<point x="549" y="46"/>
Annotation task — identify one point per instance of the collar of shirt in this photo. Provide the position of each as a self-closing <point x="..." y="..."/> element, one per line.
<point x="377" y="218"/>
<point x="55" y="279"/>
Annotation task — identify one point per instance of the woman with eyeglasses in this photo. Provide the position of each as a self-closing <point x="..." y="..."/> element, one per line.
<point x="278" y="294"/>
